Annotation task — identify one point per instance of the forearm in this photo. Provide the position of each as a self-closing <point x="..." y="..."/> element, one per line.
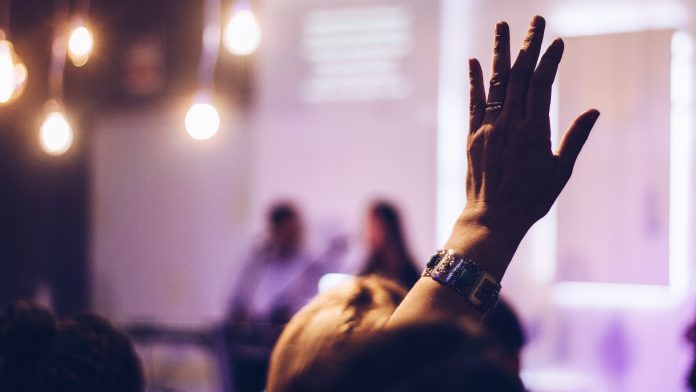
<point x="491" y="245"/>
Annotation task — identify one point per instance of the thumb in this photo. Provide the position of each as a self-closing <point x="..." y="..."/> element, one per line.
<point x="571" y="145"/>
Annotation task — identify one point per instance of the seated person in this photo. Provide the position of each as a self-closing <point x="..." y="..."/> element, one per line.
<point x="278" y="278"/>
<point x="512" y="181"/>
<point x="39" y="352"/>
<point x="388" y="255"/>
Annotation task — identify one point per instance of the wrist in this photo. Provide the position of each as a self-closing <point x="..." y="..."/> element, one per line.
<point x="497" y="220"/>
<point x="466" y="277"/>
<point x="486" y="239"/>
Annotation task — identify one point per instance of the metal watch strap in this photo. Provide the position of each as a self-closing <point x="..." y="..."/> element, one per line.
<point x="464" y="276"/>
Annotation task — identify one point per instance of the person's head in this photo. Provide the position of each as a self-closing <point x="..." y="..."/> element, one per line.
<point x="430" y="356"/>
<point x="285" y="227"/>
<point x="328" y="322"/>
<point x="383" y="227"/>
<point x="507" y="333"/>
<point x="39" y="352"/>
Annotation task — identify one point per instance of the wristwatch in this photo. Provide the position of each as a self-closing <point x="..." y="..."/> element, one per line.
<point x="464" y="276"/>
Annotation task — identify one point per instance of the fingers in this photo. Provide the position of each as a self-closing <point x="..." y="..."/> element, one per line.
<point x="539" y="98"/>
<point x="477" y="96"/>
<point x="571" y="145"/>
<point x="474" y="155"/>
<point x="522" y="70"/>
<point x="501" y="71"/>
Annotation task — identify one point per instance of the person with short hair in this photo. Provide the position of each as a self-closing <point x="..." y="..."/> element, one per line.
<point x="84" y="353"/>
<point x="277" y="279"/>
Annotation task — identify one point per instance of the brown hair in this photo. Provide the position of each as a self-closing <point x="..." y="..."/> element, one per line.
<point x="429" y="356"/>
<point x="328" y="322"/>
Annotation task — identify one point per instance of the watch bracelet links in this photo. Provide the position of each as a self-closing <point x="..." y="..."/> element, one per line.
<point x="465" y="277"/>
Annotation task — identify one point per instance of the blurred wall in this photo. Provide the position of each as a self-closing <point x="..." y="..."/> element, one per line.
<point x="169" y="216"/>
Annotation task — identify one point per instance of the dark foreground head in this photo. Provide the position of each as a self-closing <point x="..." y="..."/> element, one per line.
<point x="339" y="342"/>
<point x="39" y="352"/>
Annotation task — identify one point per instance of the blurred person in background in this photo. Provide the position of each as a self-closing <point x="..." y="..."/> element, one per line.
<point x="277" y="279"/>
<point x="387" y="253"/>
<point x="85" y="353"/>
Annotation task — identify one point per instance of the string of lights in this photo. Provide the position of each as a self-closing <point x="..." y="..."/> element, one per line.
<point x="73" y="39"/>
<point x="242" y="35"/>
<point x="56" y="132"/>
<point x="202" y="120"/>
<point x="81" y="41"/>
<point x="13" y="72"/>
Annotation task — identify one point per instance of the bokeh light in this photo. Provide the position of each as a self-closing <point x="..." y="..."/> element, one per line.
<point x="56" y="134"/>
<point x="80" y="45"/>
<point x="242" y="34"/>
<point x="202" y="121"/>
<point x="13" y="73"/>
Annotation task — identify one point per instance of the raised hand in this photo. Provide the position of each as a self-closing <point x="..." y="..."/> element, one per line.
<point x="514" y="177"/>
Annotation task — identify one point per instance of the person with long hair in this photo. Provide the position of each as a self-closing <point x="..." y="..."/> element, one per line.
<point x="388" y="255"/>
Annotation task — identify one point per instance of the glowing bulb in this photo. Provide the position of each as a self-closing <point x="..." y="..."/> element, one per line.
<point x="80" y="45"/>
<point x="7" y="83"/>
<point x="202" y="121"/>
<point x="13" y="73"/>
<point x="56" y="134"/>
<point x="242" y="34"/>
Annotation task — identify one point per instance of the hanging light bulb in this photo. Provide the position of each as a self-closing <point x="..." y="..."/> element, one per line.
<point x="202" y="119"/>
<point x="242" y="34"/>
<point x="13" y="72"/>
<point x="56" y="134"/>
<point x="80" y="44"/>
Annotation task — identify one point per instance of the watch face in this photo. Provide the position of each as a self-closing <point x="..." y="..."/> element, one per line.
<point x="466" y="277"/>
<point x="488" y="293"/>
<point x="466" y="280"/>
